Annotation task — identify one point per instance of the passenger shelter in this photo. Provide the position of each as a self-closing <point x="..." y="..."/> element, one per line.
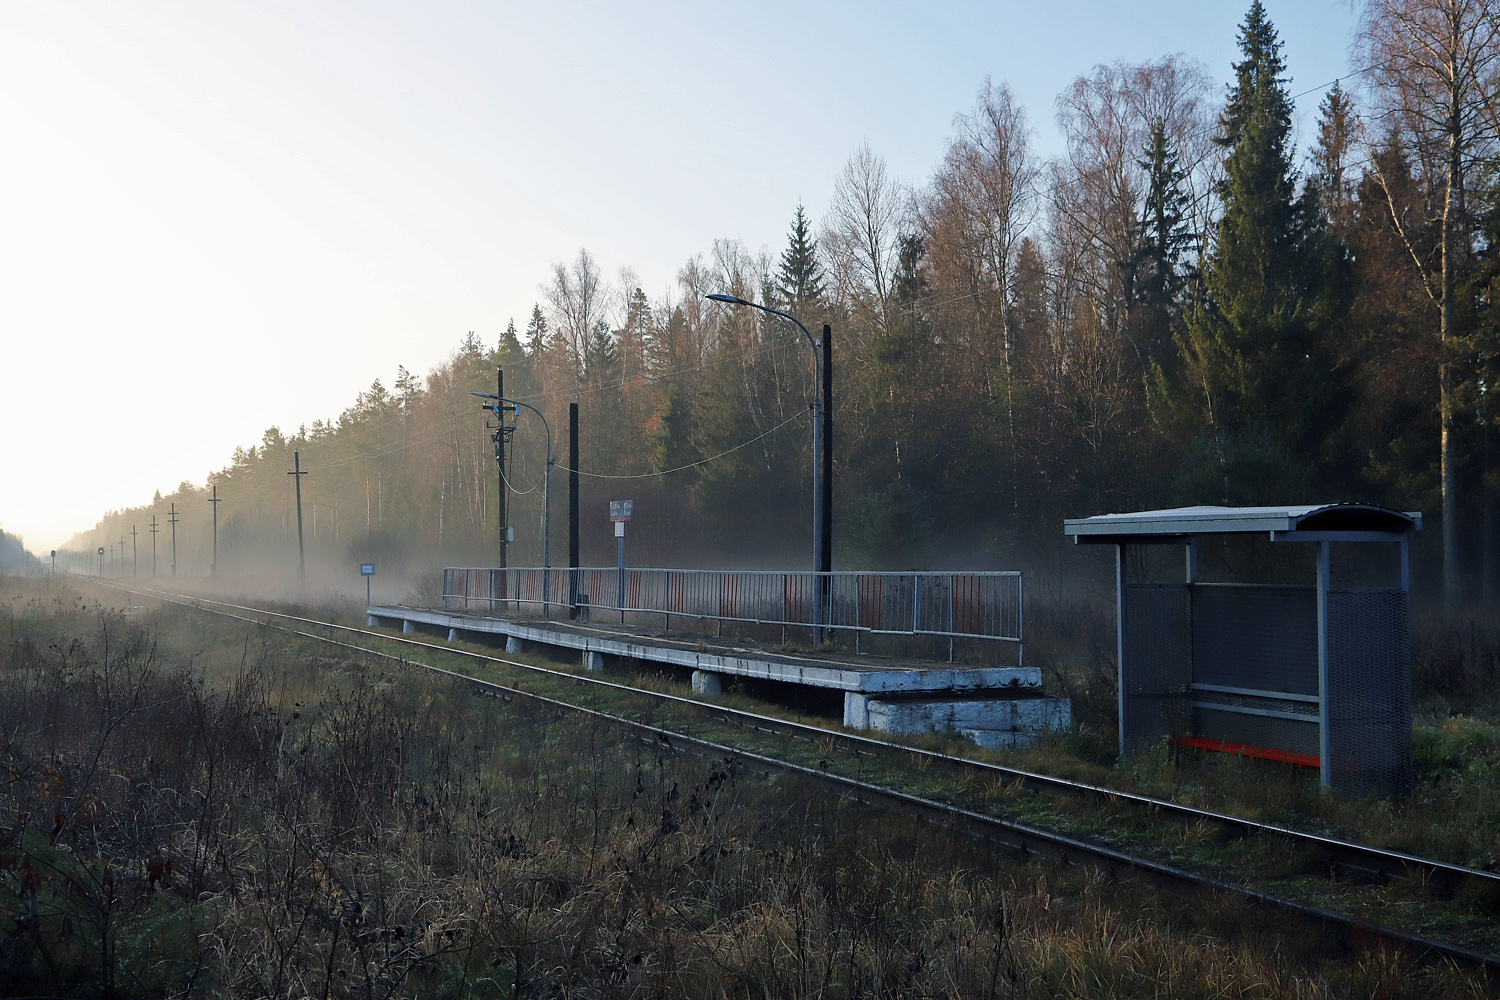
<point x="1302" y="656"/>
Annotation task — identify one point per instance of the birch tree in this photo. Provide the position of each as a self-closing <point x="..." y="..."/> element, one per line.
<point x="1433" y="66"/>
<point x="862" y="234"/>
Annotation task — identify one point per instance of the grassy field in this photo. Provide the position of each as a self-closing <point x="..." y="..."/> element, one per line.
<point x="194" y="807"/>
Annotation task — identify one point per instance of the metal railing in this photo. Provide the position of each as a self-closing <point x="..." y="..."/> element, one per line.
<point x="956" y="605"/>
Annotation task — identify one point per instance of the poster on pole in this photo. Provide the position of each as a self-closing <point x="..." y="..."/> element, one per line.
<point x="621" y="510"/>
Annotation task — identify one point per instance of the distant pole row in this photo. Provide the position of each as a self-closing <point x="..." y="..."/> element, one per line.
<point x="172" y="519"/>
<point x="174" y="516"/>
<point x="214" y="566"/>
<point x="297" y="473"/>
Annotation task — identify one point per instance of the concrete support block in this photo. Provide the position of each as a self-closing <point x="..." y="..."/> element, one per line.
<point x="856" y="710"/>
<point x="1036" y="714"/>
<point x="408" y="628"/>
<point x="453" y="635"/>
<point x="707" y="682"/>
<point x="923" y="715"/>
<point x="371" y="621"/>
<point x="592" y="661"/>
<point x="512" y="644"/>
<point x="991" y="740"/>
<point x="995" y="715"/>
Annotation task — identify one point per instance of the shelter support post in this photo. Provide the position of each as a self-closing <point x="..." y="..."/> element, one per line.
<point x="1124" y="671"/>
<point x="1325" y="762"/>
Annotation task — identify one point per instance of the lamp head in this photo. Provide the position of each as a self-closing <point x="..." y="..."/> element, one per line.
<point x="484" y="395"/>
<point x="733" y="300"/>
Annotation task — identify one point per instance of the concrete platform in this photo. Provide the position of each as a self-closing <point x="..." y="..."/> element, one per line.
<point x="996" y="706"/>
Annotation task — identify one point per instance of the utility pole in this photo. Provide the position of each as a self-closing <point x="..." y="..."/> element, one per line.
<point x="122" y="554"/>
<point x="297" y="473"/>
<point x="573" y="509"/>
<point x="153" y="530"/>
<point x="172" y="519"/>
<point x="214" y="566"/>
<point x="111" y="558"/>
<point x="135" y="569"/>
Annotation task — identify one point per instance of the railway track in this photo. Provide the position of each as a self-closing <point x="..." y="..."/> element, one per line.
<point x="1361" y="862"/>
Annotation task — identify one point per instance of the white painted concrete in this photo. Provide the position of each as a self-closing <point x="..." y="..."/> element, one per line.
<point x="997" y="707"/>
<point x="408" y="627"/>
<point x="1005" y="715"/>
<point x="991" y="740"/>
<point x="856" y="710"/>
<point x="453" y="635"/>
<point x="821" y="674"/>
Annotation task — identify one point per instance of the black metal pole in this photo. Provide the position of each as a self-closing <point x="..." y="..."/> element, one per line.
<point x="500" y="462"/>
<point x="573" y="509"/>
<point x="825" y="557"/>
<point x="825" y="499"/>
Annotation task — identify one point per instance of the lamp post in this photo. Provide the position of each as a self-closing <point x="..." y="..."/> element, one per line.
<point x="498" y="406"/>
<point x="822" y="444"/>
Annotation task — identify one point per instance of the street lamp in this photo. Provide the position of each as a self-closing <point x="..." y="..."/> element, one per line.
<point x="822" y="442"/>
<point x="500" y="402"/>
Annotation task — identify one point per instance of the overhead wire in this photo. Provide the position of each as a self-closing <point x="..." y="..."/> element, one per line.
<point x="692" y="465"/>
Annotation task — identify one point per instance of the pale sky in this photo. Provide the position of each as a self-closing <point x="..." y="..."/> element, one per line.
<point x="219" y="215"/>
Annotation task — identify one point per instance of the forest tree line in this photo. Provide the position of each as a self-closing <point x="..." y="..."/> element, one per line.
<point x="1183" y="307"/>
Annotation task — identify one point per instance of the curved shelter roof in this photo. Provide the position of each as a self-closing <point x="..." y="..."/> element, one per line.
<point x="1350" y="521"/>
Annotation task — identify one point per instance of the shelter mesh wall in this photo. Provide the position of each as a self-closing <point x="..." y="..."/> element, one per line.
<point x="1159" y="665"/>
<point x="1260" y="637"/>
<point x="1369" y="692"/>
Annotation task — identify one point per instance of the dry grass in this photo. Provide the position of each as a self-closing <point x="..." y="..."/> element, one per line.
<point x="192" y="811"/>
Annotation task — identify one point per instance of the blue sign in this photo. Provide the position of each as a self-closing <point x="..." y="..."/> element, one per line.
<point x="366" y="569"/>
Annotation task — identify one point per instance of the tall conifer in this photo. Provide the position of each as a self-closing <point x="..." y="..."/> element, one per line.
<point x="799" y="280"/>
<point x="1254" y="372"/>
<point x="1158" y="271"/>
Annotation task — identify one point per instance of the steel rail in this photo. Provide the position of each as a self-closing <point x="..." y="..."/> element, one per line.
<point x="1443" y="875"/>
<point x="1017" y="834"/>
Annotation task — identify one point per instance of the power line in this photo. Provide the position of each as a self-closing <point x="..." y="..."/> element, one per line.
<point x="694" y="465"/>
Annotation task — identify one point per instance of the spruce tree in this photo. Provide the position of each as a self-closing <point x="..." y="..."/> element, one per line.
<point x="799" y="280"/>
<point x="1157" y="270"/>
<point x="1255" y="376"/>
<point x="601" y="359"/>
<point x="536" y="332"/>
<point x="509" y="350"/>
<point x="1330" y="156"/>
